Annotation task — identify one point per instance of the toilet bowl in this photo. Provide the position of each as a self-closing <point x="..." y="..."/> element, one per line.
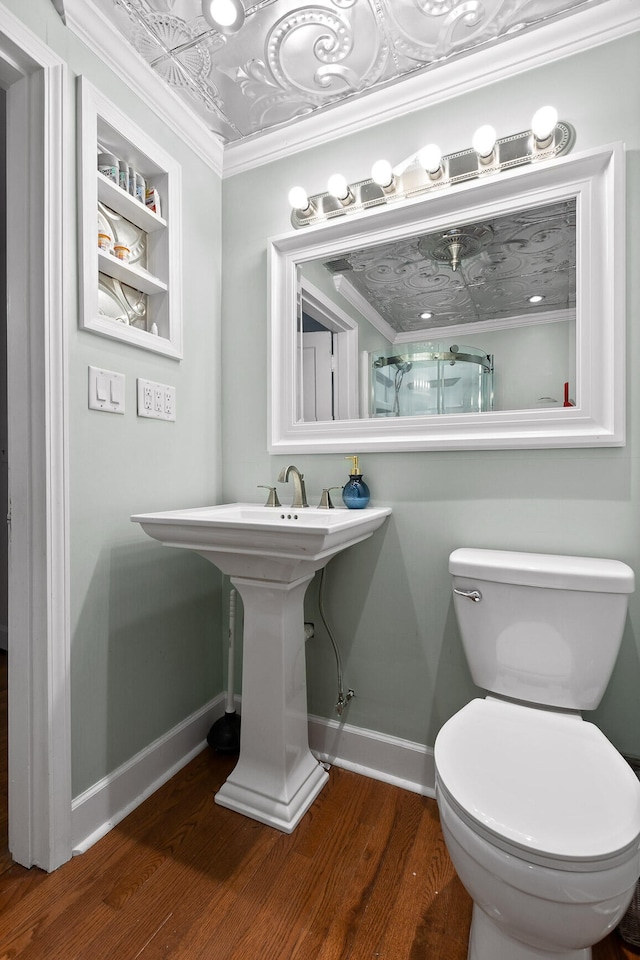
<point x="540" y="813"/>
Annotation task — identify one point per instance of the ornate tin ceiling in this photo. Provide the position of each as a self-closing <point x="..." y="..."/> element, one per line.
<point x="291" y="59"/>
<point x="504" y="261"/>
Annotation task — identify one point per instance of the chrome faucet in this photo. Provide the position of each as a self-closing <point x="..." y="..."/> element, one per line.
<point x="299" y="491"/>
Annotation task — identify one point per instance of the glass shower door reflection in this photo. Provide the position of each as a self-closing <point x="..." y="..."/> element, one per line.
<point x="429" y="378"/>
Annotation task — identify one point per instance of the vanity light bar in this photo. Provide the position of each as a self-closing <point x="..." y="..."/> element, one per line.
<point x="426" y="170"/>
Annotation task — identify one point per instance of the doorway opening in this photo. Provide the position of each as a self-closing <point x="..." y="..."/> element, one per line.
<point x="328" y="359"/>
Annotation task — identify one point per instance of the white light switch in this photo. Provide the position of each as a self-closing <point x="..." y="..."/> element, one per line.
<point x="102" y="388"/>
<point x="106" y="390"/>
<point x="117" y="395"/>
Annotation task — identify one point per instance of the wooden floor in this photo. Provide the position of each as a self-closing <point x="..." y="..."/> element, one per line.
<point x="366" y="875"/>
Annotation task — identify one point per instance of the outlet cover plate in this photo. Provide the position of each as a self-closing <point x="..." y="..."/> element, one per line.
<point x="156" y="401"/>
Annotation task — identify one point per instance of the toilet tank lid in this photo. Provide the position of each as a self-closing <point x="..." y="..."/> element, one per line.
<point x="543" y="570"/>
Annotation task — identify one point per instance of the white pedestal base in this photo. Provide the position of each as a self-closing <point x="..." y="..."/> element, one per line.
<point x="277" y="778"/>
<point x="488" y="941"/>
<point x="280" y="813"/>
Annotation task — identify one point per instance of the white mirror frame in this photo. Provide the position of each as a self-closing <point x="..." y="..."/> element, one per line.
<point x="596" y="179"/>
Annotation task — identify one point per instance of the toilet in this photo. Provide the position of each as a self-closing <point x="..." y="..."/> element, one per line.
<point x="540" y="813"/>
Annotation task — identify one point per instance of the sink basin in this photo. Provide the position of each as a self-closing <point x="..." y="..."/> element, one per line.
<point x="273" y="543"/>
<point x="271" y="555"/>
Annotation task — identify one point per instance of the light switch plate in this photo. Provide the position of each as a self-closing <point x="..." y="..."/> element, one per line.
<point x="106" y="390"/>
<point x="157" y="401"/>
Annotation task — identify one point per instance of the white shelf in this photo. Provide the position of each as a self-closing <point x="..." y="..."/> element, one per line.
<point x="128" y="273"/>
<point x="104" y="128"/>
<point x="127" y="206"/>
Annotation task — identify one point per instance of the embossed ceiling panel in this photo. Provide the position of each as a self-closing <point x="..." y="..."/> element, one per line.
<point x="292" y="59"/>
<point x="524" y="254"/>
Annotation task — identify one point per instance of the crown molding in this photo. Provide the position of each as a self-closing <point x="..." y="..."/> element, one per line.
<point x="485" y="326"/>
<point x="569" y="35"/>
<point x="353" y="296"/>
<point x="103" y="39"/>
<point x="572" y="34"/>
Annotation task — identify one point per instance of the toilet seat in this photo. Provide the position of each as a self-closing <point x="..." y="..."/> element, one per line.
<point x="545" y="786"/>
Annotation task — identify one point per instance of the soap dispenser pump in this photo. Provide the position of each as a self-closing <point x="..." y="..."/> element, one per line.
<point x="355" y="492"/>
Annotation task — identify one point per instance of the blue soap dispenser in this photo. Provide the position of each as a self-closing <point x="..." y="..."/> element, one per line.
<point x="355" y="492"/>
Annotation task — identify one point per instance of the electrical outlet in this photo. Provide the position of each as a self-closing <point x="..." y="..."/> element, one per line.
<point x="170" y="403"/>
<point x="156" y="401"/>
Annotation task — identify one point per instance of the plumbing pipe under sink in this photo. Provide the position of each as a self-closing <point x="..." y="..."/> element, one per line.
<point x="224" y="735"/>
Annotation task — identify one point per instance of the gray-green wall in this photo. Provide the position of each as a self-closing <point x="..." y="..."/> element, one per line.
<point x="389" y="598"/>
<point x="145" y="620"/>
<point x="147" y="623"/>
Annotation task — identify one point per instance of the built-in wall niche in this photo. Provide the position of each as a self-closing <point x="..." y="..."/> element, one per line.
<point x="131" y="265"/>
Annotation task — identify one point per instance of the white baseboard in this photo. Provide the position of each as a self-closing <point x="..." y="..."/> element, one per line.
<point x="401" y="762"/>
<point x="106" y="803"/>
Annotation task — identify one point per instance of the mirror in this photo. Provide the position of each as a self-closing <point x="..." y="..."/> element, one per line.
<point x="504" y="289"/>
<point x="420" y="326"/>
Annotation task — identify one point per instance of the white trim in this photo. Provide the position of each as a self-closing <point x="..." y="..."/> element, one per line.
<point x="106" y="41"/>
<point x="487" y="326"/>
<point x="111" y="799"/>
<point x="537" y="47"/>
<point x="353" y="296"/>
<point x="389" y="759"/>
<point x="596" y="179"/>
<point x="37" y="205"/>
<point x="542" y="45"/>
<point x="400" y="762"/>
<point x="345" y="328"/>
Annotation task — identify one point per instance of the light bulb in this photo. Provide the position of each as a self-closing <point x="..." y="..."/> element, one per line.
<point x="227" y="16"/>
<point x="426" y="315"/>
<point x="298" y="198"/>
<point x="223" y="12"/>
<point x="381" y="173"/>
<point x="536" y="298"/>
<point x="430" y="157"/>
<point x="484" y="140"/>
<point x="543" y="124"/>
<point x="338" y="187"/>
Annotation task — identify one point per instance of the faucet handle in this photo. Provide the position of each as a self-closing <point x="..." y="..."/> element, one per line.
<point x="325" y="499"/>
<point x="272" y="499"/>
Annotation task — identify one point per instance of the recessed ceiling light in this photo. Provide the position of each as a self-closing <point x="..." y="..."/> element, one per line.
<point x="226" y="16"/>
<point x="426" y="315"/>
<point x="536" y="298"/>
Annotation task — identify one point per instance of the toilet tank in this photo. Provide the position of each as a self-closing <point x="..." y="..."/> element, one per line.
<point x="544" y="629"/>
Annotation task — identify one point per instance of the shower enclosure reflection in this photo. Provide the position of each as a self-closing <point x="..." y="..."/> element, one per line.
<point x="430" y="378"/>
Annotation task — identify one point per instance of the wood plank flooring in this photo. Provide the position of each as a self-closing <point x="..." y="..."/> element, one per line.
<point x="366" y="875"/>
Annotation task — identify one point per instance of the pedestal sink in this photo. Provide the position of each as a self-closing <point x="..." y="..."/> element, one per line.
<point x="271" y="555"/>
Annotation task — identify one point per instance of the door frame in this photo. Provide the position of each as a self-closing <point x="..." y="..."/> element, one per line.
<point x="345" y="329"/>
<point x="38" y="194"/>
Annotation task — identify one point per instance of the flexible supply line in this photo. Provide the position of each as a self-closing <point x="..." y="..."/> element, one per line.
<point x="342" y="699"/>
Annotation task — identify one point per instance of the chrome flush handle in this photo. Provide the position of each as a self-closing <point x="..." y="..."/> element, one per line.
<point x="474" y="595"/>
